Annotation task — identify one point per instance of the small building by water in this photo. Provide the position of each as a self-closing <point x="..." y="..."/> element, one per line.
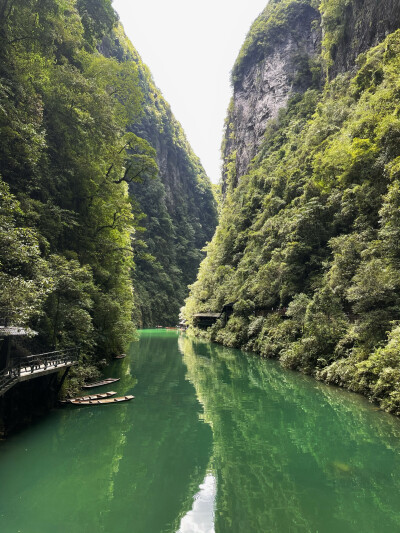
<point x="205" y="320"/>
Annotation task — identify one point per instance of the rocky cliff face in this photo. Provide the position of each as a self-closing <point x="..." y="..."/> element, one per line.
<point x="363" y="24"/>
<point x="279" y="60"/>
<point x="187" y="189"/>
<point x="265" y="85"/>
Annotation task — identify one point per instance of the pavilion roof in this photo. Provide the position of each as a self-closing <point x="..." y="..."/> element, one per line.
<point x="15" y="331"/>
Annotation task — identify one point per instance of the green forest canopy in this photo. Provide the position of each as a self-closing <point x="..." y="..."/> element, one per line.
<point x="72" y="214"/>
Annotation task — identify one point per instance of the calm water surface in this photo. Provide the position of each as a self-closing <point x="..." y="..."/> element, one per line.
<point x="215" y="442"/>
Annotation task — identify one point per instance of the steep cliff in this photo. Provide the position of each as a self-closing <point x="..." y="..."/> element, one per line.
<point x="79" y="187"/>
<point x="306" y="252"/>
<point x="179" y="206"/>
<point x="277" y="61"/>
<point x="353" y="26"/>
<point x="290" y="49"/>
<point x="66" y="219"/>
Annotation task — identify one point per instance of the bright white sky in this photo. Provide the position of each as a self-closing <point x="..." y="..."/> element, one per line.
<point x="190" y="47"/>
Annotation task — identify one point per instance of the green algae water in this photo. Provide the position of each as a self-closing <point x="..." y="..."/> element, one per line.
<point x="215" y="441"/>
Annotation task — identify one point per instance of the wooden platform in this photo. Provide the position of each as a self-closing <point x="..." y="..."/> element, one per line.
<point x="36" y="366"/>
<point x="42" y="370"/>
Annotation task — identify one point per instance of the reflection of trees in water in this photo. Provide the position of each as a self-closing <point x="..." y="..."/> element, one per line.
<point x="292" y="454"/>
<point x="129" y="468"/>
<point x="168" y="448"/>
<point x="66" y="471"/>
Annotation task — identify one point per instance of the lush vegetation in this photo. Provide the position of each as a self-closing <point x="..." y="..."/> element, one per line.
<point x="63" y="162"/>
<point x="178" y="205"/>
<point x="308" y="242"/>
<point x="333" y="18"/>
<point x="75" y="177"/>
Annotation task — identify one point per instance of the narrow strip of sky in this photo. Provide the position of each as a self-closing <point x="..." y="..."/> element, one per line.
<point x="190" y="47"/>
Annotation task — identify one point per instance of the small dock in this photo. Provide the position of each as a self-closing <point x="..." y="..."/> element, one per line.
<point x="14" y="367"/>
<point x="34" y="366"/>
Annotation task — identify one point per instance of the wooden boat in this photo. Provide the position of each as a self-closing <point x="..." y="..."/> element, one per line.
<point x="120" y="356"/>
<point x="100" y="396"/>
<point x="100" y="383"/>
<point x="101" y="402"/>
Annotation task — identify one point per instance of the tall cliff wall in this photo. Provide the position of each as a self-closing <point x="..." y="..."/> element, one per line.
<point x="268" y="74"/>
<point x="179" y="205"/>
<point x="74" y="266"/>
<point x="353" y="26"/>
<point x="307" y="250"/>
<point x="282" y="57"/>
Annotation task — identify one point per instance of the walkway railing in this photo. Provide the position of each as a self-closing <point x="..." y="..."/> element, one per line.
<point x="8" y="379"/>
<point x="32" y="366"/>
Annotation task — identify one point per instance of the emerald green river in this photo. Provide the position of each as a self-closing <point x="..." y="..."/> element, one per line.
<point x="215" y="441"/>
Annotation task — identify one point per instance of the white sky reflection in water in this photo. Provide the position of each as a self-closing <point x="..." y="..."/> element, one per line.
<point x="201" y="518"/>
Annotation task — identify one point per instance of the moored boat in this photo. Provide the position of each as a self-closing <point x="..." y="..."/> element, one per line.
<point x="120" y="356"/>
<point x="100" y="383"/>
<point x="100" y="396"/>
<point x="101" y="402"/>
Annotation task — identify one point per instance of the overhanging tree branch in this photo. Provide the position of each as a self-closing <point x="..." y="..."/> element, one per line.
<point x="130" y="178"/>
<point x="110" y="226"/>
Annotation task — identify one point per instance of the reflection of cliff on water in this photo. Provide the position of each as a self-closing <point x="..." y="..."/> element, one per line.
<point x="291" y="454"/>
<point x="168" y="444"/>
<point x="132" y="467"/>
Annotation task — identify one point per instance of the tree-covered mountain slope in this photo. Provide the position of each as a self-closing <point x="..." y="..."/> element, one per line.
<point x="307" y="248"/>
<point x="103" y="206"/>
<point x="179" y="206"/>
<point x="67" y="223"/>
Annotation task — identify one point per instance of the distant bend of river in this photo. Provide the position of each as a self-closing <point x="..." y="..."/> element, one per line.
<point x="216" y="441"/>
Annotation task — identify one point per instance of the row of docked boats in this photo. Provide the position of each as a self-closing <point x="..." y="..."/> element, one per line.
<point x="101" y="398"/>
